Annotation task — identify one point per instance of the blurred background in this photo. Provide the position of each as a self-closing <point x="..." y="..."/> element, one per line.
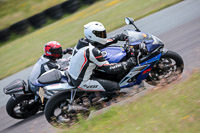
<point x="23" y="16"/>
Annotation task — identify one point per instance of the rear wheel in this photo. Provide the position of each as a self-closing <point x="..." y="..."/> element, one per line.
<point x="22" y="107"/>
<point x="168" y="69"/>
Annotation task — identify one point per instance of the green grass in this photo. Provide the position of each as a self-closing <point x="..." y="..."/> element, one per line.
<point x="12" y="11"/>
<point x="174" y="109"/>
<point x="25" y="51"/>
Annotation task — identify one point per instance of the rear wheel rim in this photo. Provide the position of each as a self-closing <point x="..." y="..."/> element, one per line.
<point x="23" y="108"/>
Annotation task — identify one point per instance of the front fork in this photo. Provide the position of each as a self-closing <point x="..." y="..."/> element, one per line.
<point x="13" y="96"/>
<point x="164" y="51"/>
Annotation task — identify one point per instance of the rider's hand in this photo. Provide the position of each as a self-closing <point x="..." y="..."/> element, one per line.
<point x="68" y="51"/>
<point x="121" y="37"/>
<point x="112" y="40"/>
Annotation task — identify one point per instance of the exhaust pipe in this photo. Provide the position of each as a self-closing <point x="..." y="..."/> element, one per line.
<point x="75" y="108"/>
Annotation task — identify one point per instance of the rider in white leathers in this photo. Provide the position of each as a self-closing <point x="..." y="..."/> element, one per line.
<point x="86" y="57"/>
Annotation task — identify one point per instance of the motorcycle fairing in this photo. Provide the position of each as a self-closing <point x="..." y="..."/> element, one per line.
<point x="113" y="54"/>
<point x="141" y="70"/>
<point x="136" y="70"/>
<point x="135" y="38"/>
<point x="59" y="87"/>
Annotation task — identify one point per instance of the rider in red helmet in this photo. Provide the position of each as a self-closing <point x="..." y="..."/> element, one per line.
<point x="53" y="51"/>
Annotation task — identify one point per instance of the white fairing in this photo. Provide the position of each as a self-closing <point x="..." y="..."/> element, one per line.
<point x="88" y="28"/>
<point x="59" y="87"/>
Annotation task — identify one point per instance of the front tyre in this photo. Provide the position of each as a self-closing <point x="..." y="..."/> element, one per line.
<point x="57" y="111"/>
<point x="22" y="107"/>
<point x="168" y="69"/>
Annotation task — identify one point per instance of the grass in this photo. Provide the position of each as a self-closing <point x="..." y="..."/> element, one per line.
<point x="173" y="109"/>
<point x="13" y="11"/>
<point x="25" y="51"/>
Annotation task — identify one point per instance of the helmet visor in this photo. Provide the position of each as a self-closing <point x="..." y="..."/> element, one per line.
<point x="56" y="50"/>
<point x="101" y="34"/>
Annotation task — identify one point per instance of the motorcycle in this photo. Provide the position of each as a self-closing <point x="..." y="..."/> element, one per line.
<point x="23" y="102"/>
<point x="154" y="63"/>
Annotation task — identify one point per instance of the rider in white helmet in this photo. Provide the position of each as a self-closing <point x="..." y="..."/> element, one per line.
<point x="86" y="57"/>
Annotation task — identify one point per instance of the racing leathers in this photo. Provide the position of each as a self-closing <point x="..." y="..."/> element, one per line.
<point x="85" y="58"/>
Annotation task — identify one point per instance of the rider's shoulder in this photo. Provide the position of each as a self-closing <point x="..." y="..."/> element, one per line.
<point x="82" y="43"/>
<point x="45" y="58"/>
<point x="95" y="51"/>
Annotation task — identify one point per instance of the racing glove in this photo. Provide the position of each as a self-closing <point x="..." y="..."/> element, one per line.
<point x="68" y="51"/>
<point x="120" y="37"/>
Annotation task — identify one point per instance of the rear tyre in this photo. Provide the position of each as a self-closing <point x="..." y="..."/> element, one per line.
<point x="166" y="70"/>
<point x="22" y="107"/>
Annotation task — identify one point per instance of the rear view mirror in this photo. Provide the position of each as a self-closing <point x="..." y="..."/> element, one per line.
<point x="129" y="20"/>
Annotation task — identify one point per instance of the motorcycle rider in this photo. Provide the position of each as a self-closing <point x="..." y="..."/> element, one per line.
<point x="53" y="51"/>
<point x="87" y="56"/>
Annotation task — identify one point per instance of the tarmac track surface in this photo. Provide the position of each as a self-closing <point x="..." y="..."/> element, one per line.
<point x="179" y="28"/>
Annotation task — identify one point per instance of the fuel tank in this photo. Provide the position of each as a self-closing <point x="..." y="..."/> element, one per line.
<point x="113" y="54"/>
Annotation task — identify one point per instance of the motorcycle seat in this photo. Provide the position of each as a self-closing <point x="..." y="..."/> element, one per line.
<point x="50" y="77"/>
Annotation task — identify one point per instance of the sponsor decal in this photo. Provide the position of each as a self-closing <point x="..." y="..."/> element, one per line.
<point x="145" y="71"/>
<point x="54" y="85"/>
<point x="90" y="86"/>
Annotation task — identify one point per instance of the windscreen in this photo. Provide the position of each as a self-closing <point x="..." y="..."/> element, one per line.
<point x="137" y="36"/>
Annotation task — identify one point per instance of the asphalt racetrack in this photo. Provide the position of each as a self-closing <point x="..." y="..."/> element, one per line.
<point x="177" y="26"/>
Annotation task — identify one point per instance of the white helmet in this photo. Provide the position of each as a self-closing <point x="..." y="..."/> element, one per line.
<point x="95" y="32"/>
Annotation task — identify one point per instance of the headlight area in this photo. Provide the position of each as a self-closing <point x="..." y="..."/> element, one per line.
<point x="156" y="40"/>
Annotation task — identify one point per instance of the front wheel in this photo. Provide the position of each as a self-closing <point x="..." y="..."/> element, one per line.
<point x="22" y="107"/>
<point x="168" y="69"/>
<point x="59" y="112"/>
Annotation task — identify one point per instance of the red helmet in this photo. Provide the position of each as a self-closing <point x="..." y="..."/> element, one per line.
<point x="53" y="50"/>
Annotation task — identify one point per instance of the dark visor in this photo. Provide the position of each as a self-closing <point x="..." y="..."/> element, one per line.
<point x="101" y="34"/>
<point x="56" y="50"/>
